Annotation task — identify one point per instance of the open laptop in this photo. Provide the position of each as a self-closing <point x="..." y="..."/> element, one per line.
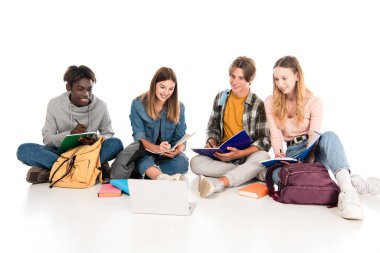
<point x="159" y="197"/>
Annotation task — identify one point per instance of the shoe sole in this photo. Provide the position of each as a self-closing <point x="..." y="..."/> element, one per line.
<point x="199" y="183"/>
<point x="205" y="188"/>
<point x="356" y="216"/>
<point x="37" y="176"/>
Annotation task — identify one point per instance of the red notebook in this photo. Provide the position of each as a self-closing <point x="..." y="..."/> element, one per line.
<point x="108" y="190"/>
<point x="254" y="190"/>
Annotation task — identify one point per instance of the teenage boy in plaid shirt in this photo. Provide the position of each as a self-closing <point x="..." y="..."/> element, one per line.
<point x="234" y="110"/>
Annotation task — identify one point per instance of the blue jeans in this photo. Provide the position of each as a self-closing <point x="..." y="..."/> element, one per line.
<point x="45" y="156"/>
<point x="179" y="164"/>
<point x="330" y="153"/>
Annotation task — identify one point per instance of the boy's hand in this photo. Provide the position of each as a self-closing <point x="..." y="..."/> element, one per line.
<point x="226" y="157"/>
<point x="80" y="128"/>
<point x="88" y="140"/>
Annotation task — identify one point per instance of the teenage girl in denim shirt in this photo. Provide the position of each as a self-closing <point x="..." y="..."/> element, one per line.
<point x="294" y="113"/>
<point x="158" y="121"/>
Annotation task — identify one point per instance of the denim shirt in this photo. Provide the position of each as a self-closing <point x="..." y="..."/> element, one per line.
<point x="144" y="127"/>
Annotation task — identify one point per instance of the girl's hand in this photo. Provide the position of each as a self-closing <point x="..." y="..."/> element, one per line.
<point x="172" y="153"/>
<point x="279" y="154"/>
<point x="164" y="146"/>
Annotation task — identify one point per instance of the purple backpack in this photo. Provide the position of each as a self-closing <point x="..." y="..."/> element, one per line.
<point x="303" y="183"/>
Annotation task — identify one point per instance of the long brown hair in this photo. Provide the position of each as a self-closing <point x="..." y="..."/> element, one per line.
<point x="172" y="104"/>
<point x="279" y="105"/>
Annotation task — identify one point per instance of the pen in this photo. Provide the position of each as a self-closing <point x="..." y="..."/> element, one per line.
<point x="77" y="121"/>
<point x="209" y="143"/>
<point x="280" y="151"/>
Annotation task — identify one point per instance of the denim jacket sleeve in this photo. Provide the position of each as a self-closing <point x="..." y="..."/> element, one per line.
<point x="137" y="119"/>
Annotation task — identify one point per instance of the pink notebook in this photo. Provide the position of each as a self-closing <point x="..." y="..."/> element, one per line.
<point x="108" y="190"/>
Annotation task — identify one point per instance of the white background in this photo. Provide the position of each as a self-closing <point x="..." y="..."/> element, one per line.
<point x="125" y="42"/>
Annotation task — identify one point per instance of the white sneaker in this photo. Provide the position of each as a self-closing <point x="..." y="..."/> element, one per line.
<point x="359" y="184"/>
<point x="369" y="186"/>
<point x="373" y="185"/>
<point x="175" y="177"/>
<point x="349" y="205"/>
<point x="262" y="174"/>
<point x="209" y="185"/>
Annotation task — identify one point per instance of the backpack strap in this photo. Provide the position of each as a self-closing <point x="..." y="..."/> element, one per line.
<point x="269" y="181"/>
<point x="71" y="161"/>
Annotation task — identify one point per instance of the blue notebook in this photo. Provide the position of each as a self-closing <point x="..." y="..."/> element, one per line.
<point x="241" y="140"/>
<point x="122" y="184"/>
<point x="271" y="162"/>
<point x="298" y="158"/>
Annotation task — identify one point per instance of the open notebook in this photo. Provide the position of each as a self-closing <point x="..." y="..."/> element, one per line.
<point x="241" y="140"/>
<point x="300" y="157"/>
<point x="159" y="197"/>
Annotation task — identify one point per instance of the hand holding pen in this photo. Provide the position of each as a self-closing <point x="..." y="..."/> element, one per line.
<point x="211" y="143"/>
<point x="281" y="154"/>
<point x="164" y="146"/>
<point x="79" y="128"/>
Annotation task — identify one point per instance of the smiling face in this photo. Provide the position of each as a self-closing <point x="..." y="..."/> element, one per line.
<point x="239" y="86"/>
<point x="81" y="92"/>
<point x="164" y="90"/>
<point x="285" y="80"/>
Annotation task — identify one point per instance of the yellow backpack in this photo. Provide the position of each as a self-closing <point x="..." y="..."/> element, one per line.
<point x="77" y="168"/>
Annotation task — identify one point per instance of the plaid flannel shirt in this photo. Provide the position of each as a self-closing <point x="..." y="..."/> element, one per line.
<point x="254" y="120"/>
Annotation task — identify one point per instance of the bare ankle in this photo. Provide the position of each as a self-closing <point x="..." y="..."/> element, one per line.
<point x="225" y="181"/>
<point x="153" y="172"/>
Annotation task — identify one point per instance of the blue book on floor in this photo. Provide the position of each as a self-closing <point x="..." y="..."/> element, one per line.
<point x="122" y="184"/>
<point x="241" y="140"/>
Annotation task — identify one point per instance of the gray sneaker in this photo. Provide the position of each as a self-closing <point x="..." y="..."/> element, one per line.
<point x="37" y="175"/>
<point x="209" y="185"/>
